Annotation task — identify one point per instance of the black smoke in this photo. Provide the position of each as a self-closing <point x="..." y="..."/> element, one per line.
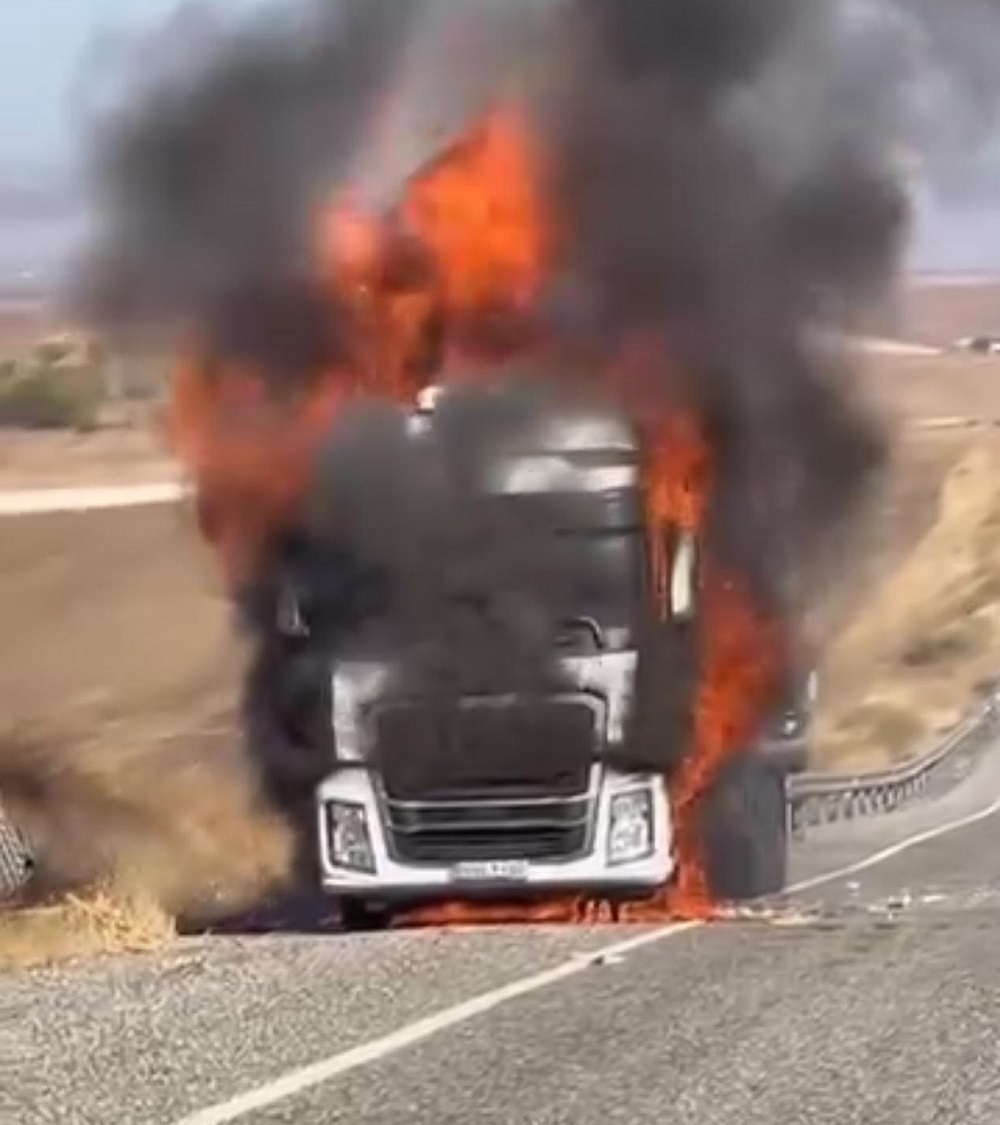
<point x="208" y="179"/>
<point x="208" y="172"/>
<point x="725" y="180"/>
<point x="778" y="123"/>
<point x="733" y="175"/>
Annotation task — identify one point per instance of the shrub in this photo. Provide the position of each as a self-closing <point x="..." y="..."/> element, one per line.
<point x="43" y="398"/>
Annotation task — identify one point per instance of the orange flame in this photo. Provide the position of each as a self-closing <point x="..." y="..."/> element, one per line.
<point x="740" y="660"/>
<point x="250" y="455"/>
<point x="385" y="283"/>
<point x="467" y="246"/>
<point x="478" y="211"/>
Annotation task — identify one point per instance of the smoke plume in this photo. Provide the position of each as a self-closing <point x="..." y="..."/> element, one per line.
<point x="786" y="113"/>
<point x="207" y="181"/>
<point x="727" y="195"/>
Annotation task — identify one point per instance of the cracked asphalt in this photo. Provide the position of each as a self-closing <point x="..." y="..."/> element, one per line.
<point x="869" y="997"/>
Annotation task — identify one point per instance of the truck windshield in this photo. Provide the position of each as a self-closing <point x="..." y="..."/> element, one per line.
<point x="591" y="558"/>
<point x="601" y="599"/>
<point x="588" y="578"/>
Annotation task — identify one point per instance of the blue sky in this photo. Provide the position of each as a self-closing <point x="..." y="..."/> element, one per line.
<point x="44" y="44"/>
<point x="45" y="47"/>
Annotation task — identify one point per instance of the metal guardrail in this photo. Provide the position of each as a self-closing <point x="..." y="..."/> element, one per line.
<point x="822" y="798"/>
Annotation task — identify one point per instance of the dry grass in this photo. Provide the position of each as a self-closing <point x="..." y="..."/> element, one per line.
<point x="118" y="754"/>
<point x="83" y="927"/>
<point x="927" y="637"/>
<point x="177" y="815"/>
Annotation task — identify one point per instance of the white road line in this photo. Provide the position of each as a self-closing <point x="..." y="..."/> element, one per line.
<point x="297" y="1081"/>
<point x="42" y="501"/>
<point x="897" y="849"/>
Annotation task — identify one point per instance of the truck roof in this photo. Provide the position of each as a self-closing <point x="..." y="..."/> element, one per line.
<point x="564" y="448"/>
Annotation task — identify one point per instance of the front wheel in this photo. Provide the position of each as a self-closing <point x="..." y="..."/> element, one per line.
<point x="361" y="915"/>
<point x="744" y="830"/>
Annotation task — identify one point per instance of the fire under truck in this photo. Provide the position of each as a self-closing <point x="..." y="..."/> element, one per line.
<point x="558" y="813"/>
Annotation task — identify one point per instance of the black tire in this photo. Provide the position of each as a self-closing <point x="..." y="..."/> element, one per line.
<point x="745" y="832"/>
<point x="360" y="915"/>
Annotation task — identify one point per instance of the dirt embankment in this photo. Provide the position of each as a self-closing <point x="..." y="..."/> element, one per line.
<point x="57" y="459"/>
<point x="926" y="638"/>
<point x="939" y="313"/>
<point x="117" y="685"/>
<point x="913" y="633"/>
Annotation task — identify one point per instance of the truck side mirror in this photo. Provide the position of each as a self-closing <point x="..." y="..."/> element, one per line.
<point x="684" y="577"/>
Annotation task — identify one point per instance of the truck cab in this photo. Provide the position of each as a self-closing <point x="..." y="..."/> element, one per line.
<point x="556" y="811"/>
<point x="548" y="814"/>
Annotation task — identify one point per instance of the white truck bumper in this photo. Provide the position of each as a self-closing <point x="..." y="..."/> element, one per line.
<point x="360" y="846"/>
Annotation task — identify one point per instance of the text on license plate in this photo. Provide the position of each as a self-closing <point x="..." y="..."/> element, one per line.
<point x="491" y="871"/>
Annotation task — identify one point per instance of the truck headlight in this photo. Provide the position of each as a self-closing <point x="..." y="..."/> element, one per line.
<point x="350" y="842"/>
<point x="630" y="826"/>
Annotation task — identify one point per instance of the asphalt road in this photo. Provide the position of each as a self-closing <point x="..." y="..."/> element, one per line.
<point x="870" y="995"/>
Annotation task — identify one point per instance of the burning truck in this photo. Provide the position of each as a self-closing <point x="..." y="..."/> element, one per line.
<point x="500" y="782"/>
<point x="522" y="469"/>
<point x="492" y="654"/>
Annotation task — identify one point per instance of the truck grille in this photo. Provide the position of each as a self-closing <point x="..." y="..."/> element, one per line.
<point x="457" y="831"/>
<point x="491" y="747"/>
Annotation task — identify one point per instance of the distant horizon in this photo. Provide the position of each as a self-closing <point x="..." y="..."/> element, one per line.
<point x="44" y="219"/>
<point x="25" y="298"/>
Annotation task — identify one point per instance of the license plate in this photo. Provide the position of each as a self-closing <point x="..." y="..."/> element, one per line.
<point x="491" y="871"/>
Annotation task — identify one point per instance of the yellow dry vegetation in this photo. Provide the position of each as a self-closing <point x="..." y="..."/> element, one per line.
<point x="176" y="816"/>
<point x="103" y="922"/>
<point x="119" y="755"/>
<point x="926" y="640"/>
